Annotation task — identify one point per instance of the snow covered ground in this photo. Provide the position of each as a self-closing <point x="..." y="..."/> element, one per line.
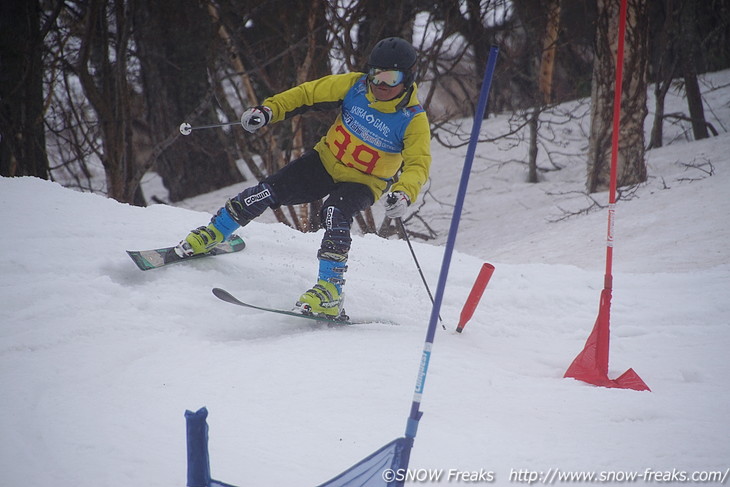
<point x="99" y="361"/>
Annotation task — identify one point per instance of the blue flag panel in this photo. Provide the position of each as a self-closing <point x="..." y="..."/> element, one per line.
<point x="381" y="469"/>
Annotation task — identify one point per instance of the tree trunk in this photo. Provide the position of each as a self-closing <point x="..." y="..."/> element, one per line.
<point x="22" y="133"/>
<point x="664" y="66"/>
<point x="102" y="71"/>
<point x="549" y="51"/>
<point x="174" y="39"/>
<point x="631" y="165"/>
<point x="533" y="123"/>
<point x="689" y="45"/>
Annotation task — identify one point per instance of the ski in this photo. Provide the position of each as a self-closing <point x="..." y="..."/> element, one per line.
<point x="224" y="295"/>
<point x="156" y="258"/>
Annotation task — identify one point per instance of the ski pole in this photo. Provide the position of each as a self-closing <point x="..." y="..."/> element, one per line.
<point x="186" y="128"/>
<point x="418" y="266"/>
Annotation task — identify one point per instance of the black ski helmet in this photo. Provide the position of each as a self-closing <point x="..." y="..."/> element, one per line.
<point x="394" y="53"/>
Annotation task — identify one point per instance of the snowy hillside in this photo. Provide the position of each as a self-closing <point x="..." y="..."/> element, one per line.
<point x="99" y="361"/>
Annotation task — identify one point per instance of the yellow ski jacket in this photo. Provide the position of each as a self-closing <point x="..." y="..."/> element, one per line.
<point x="371" y="140"/>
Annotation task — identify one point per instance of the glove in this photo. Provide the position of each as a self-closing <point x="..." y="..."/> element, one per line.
<point x="255" y="117"/>
<point x="396" y="204"/>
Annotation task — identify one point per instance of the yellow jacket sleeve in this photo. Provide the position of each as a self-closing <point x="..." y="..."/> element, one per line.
<point x="416" y="157"/>
<point x="321" y="94"/>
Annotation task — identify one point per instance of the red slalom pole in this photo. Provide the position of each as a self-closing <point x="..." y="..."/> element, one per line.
<point x="591" y="364"/>
<point x="475" y="295"/>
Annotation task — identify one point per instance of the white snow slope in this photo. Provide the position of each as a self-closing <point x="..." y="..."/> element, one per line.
<point x="99" y="361"/>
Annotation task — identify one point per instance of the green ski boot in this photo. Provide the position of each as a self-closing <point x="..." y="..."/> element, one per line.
<point x="326" y="297"/>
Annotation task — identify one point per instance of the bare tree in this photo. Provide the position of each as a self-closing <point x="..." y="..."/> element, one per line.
<point x="664" y="62"/>
<point x="682" y="45"/>
<point x="541" y="21"/>
<point x="631" y="164"/>
<point x="103" y="31"/>
<point x="22" y="137"/>
<point x="174" y="41"/>
<point x="123" y="74"/>
<point x="689" y="49"/>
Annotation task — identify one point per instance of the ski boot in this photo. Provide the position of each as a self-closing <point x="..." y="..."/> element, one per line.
<point x="202" y="239"/>
<point x="325" y="298"/>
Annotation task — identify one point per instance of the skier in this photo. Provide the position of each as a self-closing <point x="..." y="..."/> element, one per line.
<point x="380" y="130"/>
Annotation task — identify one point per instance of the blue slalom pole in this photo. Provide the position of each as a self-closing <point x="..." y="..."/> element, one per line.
<point x="389" y="464"/>
<point x="416" y="413"/>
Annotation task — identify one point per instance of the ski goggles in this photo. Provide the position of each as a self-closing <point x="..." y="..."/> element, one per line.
<point x="388" y="77"/>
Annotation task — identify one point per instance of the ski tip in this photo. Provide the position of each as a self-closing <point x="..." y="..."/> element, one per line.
<point x="137" y="258"/>
<point x="221" y="293"/>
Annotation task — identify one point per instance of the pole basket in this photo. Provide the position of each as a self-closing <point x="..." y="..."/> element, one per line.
<point x="591" y="365"/>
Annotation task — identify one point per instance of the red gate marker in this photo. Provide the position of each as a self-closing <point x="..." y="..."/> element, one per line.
<point x="475" y="295"/>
